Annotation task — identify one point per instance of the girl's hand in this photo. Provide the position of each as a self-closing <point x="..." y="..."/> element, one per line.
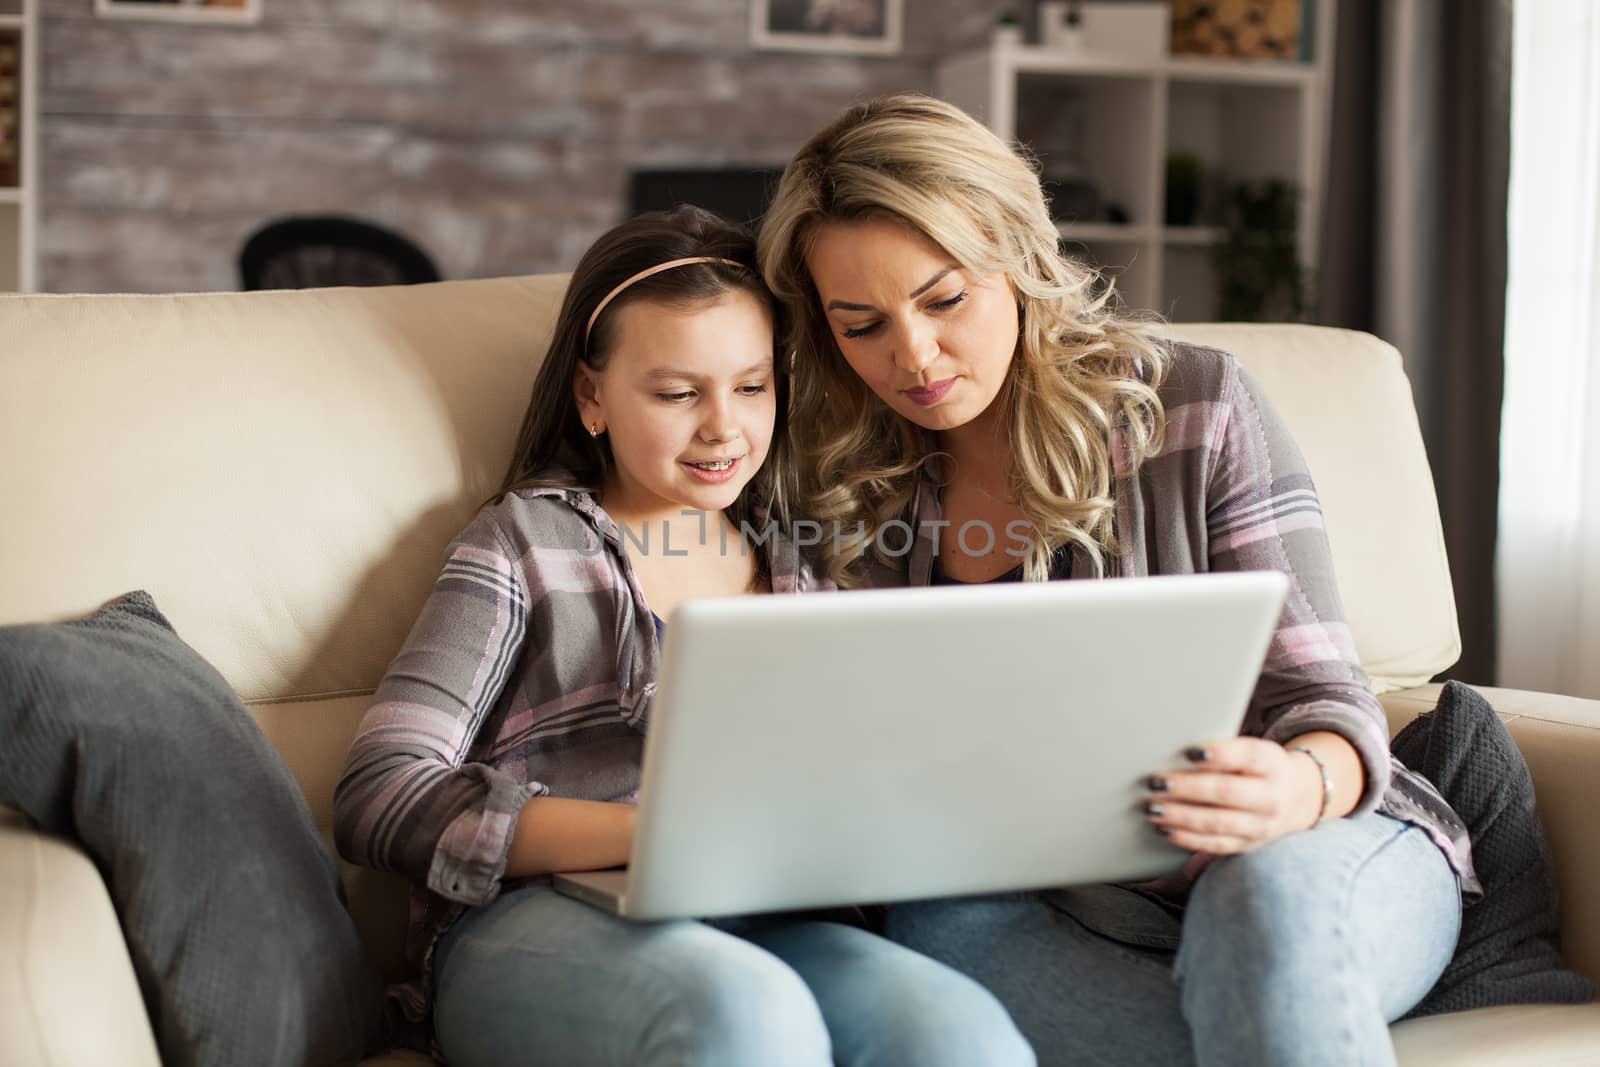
<point x="1245" y="793"/>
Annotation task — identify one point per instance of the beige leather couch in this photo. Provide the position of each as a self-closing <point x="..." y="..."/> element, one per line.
<point x="281" y="471"/>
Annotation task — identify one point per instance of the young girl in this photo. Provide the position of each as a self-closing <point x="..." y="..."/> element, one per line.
<point x="505" y="741"/>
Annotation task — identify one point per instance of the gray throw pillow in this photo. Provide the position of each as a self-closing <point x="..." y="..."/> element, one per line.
<point x="120" y="736"/>
<point x="1506" y="953"/>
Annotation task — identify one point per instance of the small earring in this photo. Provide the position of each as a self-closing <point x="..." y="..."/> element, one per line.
<point x="594" y="429"/>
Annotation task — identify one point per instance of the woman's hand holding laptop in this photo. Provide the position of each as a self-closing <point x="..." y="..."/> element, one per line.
<point x="1245" y="792"/>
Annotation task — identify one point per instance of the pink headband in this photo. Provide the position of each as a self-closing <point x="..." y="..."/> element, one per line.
<point x="641" y="276"/>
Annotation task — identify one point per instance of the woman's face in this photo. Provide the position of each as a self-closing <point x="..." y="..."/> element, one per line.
<point x="932" y="339"/>
<point x="688" y="401"/>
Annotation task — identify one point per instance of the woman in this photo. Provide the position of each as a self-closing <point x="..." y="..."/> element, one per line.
<point x="954" y="371"/>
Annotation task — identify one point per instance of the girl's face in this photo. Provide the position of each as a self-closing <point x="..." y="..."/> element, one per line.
<point x="687" y="400"/>
<point x="931" y="338"/>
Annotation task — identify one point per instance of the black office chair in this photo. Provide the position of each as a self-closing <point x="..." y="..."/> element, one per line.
<point x="312" y="252"/>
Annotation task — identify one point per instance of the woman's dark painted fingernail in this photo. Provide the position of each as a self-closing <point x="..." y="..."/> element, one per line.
<point x="1153" y="808"/>
<point x="1157" y="783"/>
<point x="1162" y="830"/>
<point x="1197" y="754"/>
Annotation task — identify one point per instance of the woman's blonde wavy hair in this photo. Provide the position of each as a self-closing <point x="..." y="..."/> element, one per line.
<point x="1084" y="375"/>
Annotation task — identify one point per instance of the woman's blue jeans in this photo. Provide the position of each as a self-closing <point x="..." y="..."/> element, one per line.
<point x="1298" y="954"/>
<point x="537" y="978"/>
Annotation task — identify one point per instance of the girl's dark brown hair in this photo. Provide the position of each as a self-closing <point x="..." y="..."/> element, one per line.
<point x="554" y="448"/>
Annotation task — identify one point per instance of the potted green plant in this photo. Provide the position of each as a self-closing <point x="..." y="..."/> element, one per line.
<point x="1007" y="29"/>
<point x="1061" y="24"/>
<point x="1259" y="277"/>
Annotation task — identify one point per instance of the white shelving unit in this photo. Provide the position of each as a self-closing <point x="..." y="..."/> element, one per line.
<point x="1244" y="119"/>
<point x="19" y="26"/>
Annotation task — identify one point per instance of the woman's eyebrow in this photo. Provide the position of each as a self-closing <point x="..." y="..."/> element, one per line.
<point x="845" y="305"/>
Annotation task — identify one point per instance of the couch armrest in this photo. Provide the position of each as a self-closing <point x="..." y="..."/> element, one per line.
<point x="68" y="996"/>
<point x="1559" y="736"/>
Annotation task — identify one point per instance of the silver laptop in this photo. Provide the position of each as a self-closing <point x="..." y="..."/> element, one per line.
<point x="900" y="744"/>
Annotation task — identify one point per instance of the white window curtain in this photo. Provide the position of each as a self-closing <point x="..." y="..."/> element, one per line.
<point x="1547" y="567"/>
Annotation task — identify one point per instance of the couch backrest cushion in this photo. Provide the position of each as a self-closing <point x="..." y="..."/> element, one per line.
<point x="280" y="470"/>
<point x="1345" y="396"/>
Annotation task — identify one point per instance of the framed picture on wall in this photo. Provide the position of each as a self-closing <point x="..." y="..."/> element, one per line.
<point x="216" y="11"/>
<point x="868" y="27"/>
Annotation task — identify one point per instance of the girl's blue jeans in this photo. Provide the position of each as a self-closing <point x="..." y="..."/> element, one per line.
<point x="537" y="978"/>
<point x="1295" y="955"/>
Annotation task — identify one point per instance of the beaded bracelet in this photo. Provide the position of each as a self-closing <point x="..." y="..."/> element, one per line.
<point x="1327" y="784"/>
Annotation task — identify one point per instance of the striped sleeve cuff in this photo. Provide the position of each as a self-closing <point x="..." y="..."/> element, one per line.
<point x="471" y="855"/>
